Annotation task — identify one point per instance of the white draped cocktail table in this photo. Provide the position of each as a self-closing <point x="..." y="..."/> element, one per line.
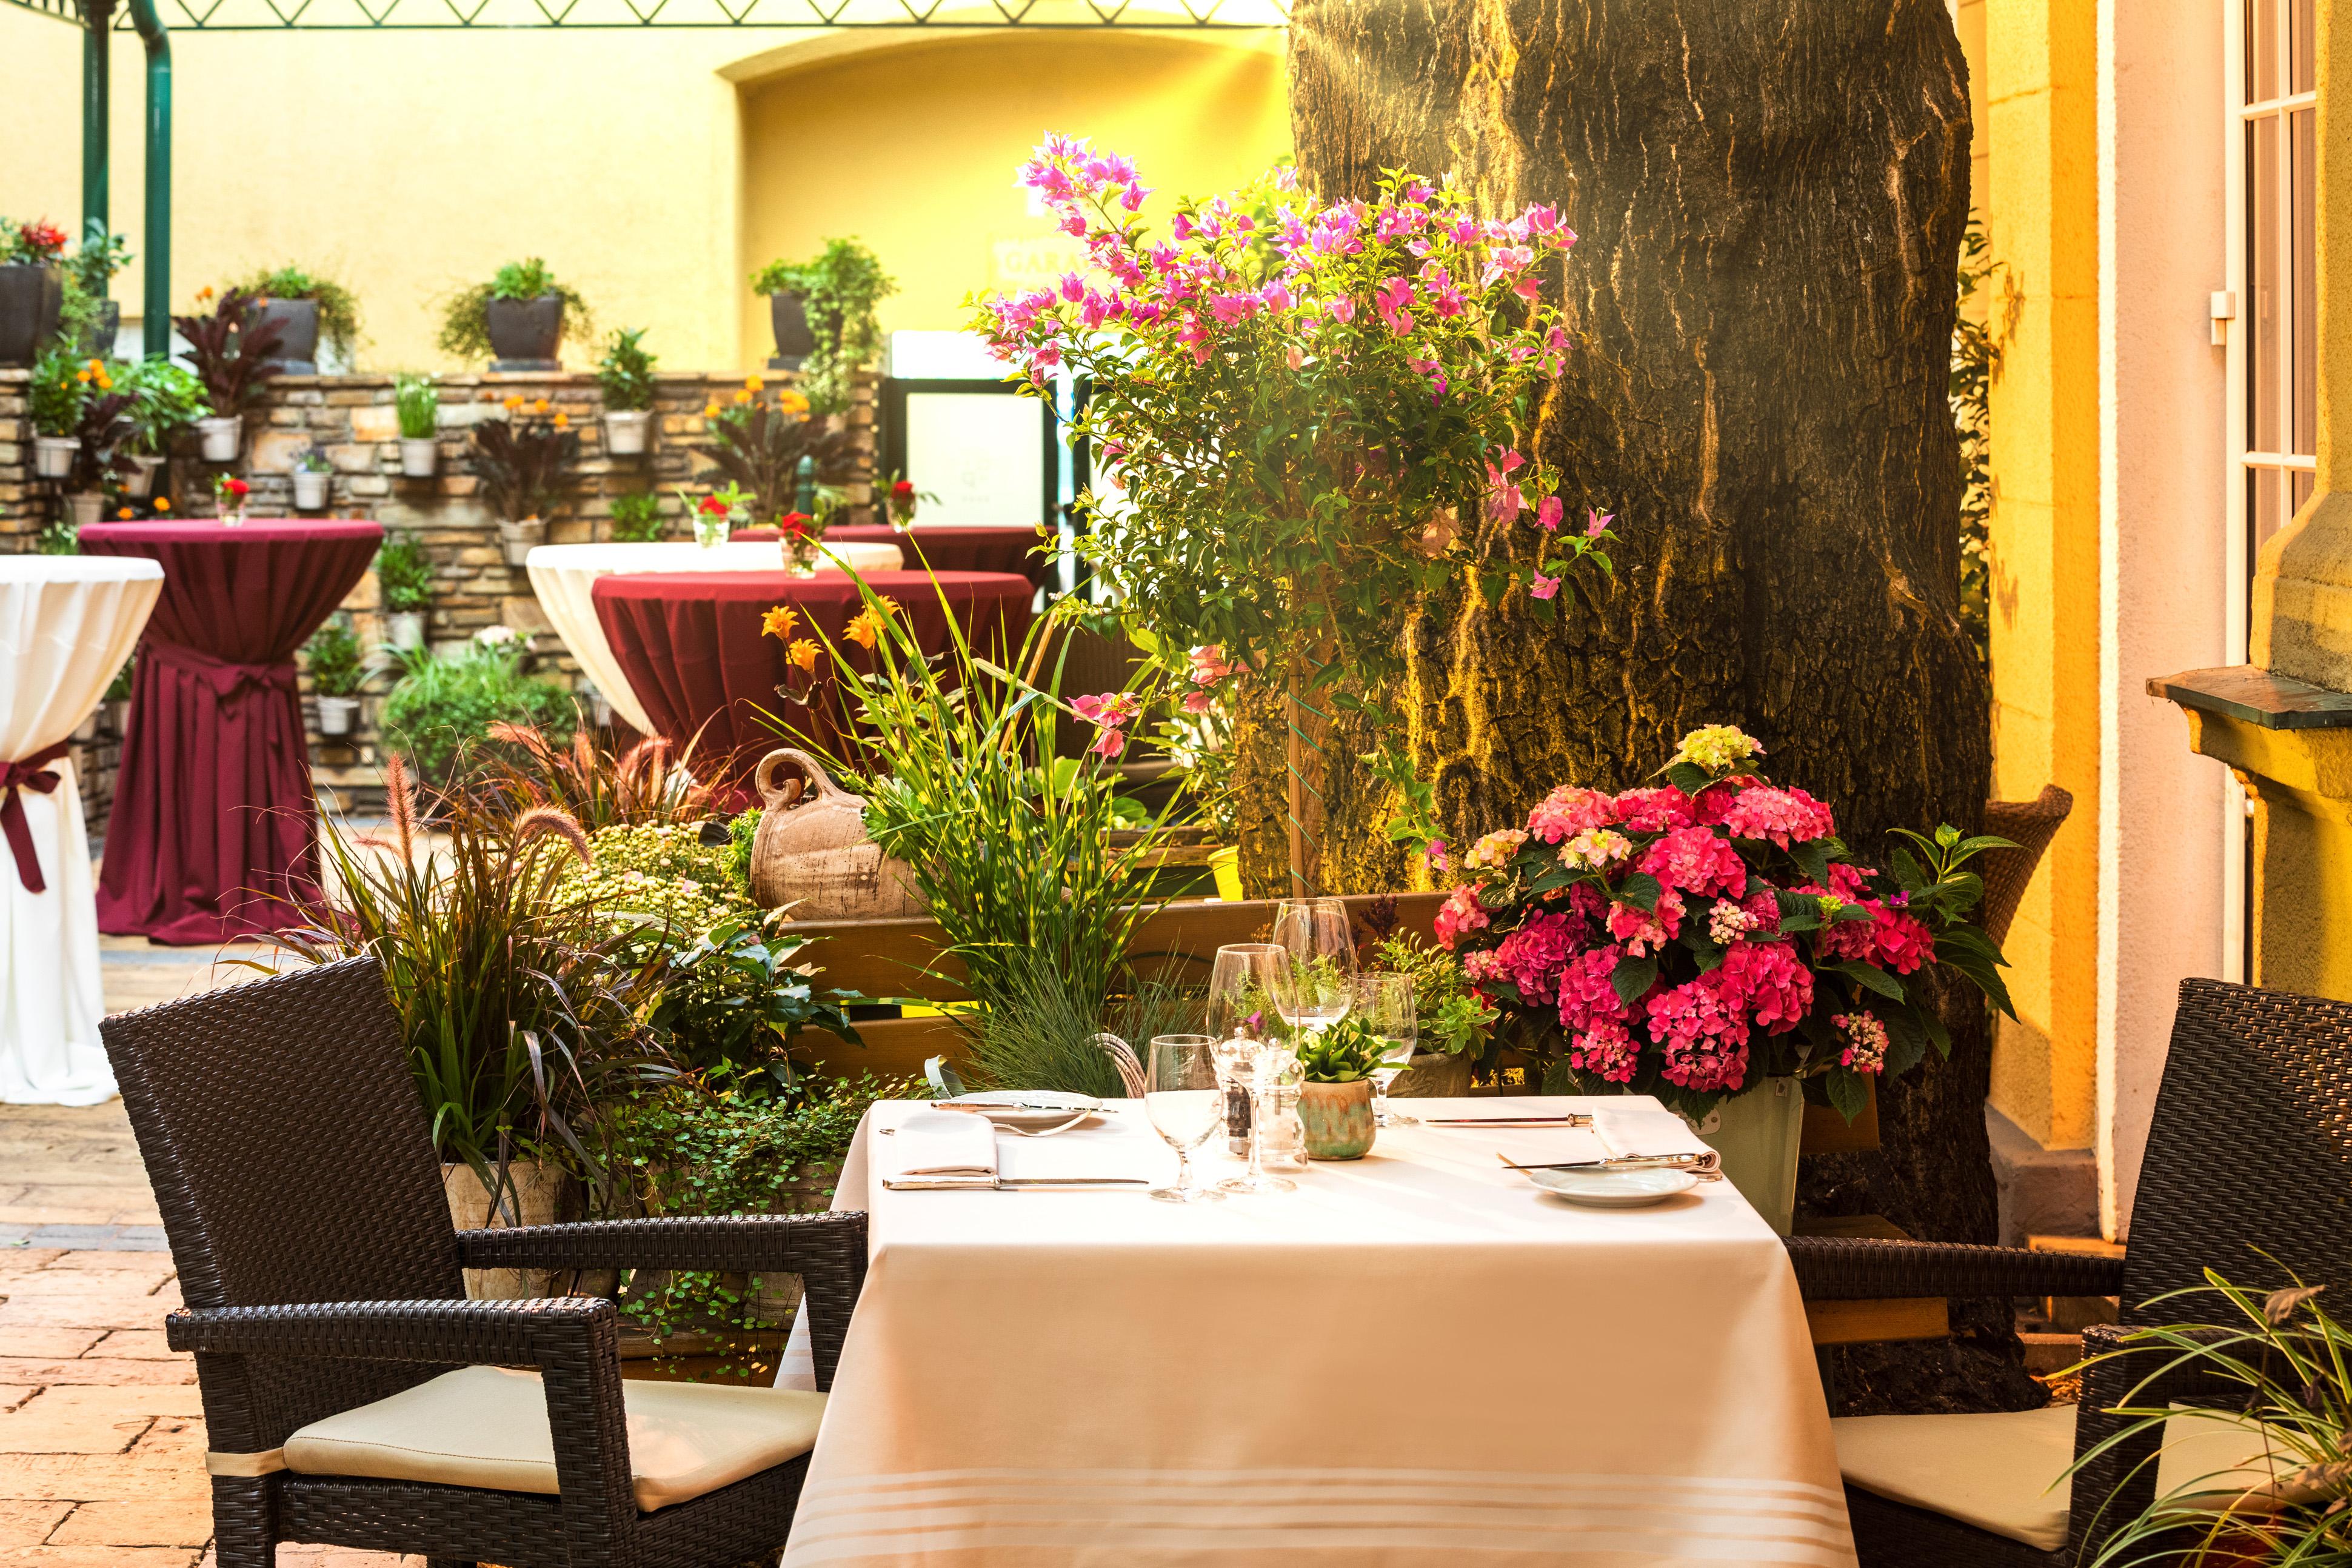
<point x="66" y="623"/>
<point x="1413" y="1359"/>
<point x="564" y="576"/>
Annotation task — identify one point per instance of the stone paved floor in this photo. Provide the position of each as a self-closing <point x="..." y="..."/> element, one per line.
<point x="101" y="1436"/>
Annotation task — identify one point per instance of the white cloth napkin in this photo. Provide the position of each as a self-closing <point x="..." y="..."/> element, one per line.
<point x="1646" y="1129"/>
<point x="943" y="1144"/>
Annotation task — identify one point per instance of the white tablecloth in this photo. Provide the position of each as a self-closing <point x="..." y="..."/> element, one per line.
<point x="1417" y="1358"/>
<point x="66" y="623"/>
<point x="564" y="577"/>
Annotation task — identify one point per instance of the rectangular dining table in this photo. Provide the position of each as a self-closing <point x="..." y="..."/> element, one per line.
<point x="1415" y="1358"/>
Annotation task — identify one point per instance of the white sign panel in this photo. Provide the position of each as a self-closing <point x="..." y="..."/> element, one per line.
<point x="979" y="453"/>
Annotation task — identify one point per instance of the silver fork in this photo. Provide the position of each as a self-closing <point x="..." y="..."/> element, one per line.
<point x="1043" y="1132"/>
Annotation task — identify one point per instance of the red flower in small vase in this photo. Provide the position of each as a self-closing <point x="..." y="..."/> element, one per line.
<point x="711" y="506"/>
<point x="795" y="523"/>
<point x="237" y="489"/>
<point x="904" y="490"/>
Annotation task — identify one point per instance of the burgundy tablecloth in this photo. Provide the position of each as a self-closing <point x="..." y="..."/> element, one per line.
<point x="213" y="806"/>
<point x="692" y="648"/>
<point x="942" y="548"/>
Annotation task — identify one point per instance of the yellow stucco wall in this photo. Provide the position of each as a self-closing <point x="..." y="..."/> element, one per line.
<point x="411" y="163"/>
<point x="2042" y="215"/>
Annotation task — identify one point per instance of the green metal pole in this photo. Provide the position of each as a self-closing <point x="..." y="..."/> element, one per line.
<point x="155" y="311"/>
<point x="96" y="16"/>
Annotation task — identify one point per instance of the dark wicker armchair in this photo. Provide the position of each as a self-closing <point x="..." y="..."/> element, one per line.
<point x="2250" y="1152"/>
<point x="328" y="1314"/>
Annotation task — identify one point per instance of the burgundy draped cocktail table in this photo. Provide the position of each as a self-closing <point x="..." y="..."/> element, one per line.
<point x="943" y="547"/>
<point x="691" y="645"/>
<point x="213" y="809"/>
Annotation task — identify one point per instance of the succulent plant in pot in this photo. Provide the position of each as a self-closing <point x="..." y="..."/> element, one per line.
<point x="416" y="401"/>
<point x="230" y="349"/>
<point x="404" y="577"/>
<point x="519" y="319"/>
<point x="626" y="374"/>
<point x="311" y="471"/>
<point x="527" y="462"/>
<point x="32" y="287"/>
<point x="1334" y="1101"/>
<point x="309" y="309"/>
<point x="331" y="659"/>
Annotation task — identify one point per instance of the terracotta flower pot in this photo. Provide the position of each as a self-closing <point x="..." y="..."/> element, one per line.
<point x="1338" y="1118"/>
<point x="536" y="1195"/>
<point x="812" y="847"/>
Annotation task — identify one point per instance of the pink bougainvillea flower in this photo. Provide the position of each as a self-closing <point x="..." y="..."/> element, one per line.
<point x="1199" y="701"/>
<point x="1542" y="587"/>
<point x="1391" y="300"/>
<point x="1597" y="523"/>
<point x="1504" y="499"/>
<point x="1548" y="513"/>
<point x="1110" y="743"/>
<point x="1111" y="710"/>
<point x="1434" y="852"/>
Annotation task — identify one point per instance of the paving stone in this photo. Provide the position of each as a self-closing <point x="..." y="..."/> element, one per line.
<point x="57" y="1343"/>
<point x="60" y="1421"/>
<point x="29" y="1523"/>
<point x="102" y="1478"/>
<point x="99" y="1557"/>
<point x="141" y="1344"/>
<point x="63" y="1311"/>
<point x="178" y="1522"/>
<point x="95" y="1370"/>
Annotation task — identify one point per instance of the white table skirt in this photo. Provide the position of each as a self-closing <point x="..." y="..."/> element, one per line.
<point x="66" y="623"/>
<point x="1415" y="1358"/>
<point x="564" y="579"/>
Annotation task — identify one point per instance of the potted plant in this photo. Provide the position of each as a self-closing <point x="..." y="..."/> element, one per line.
<point x="1455" y="1020"/>
<point x="627" y="375"/>
<point x="637" y="518"/>
<point x="518" y="319"/>
<point x="311" y="471"/>
<point x="164" y="401"/>
<point x="94" y="320"/>
<point x="417" y="400"/>
<point x="1711" y="942"/>
<point x="60" y="386"/>
<point x="525" y="463"/>
<point x="229" y="494"/>
<point x="404" y="577"/>
<point x="1335" y="1096"/>
<point x="836" y="334"/>
<point x="32" y="289"/>
<point x="718" y="513"/>
<point x="332" y="658"/>
<point x="307" y="310"/>
<point x="760" y="444"/>
<point x="230" y="349"/>
<point x="116" y="705"/>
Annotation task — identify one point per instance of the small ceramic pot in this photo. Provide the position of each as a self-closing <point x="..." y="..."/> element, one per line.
<point x="405" y="628"/>
<point x="419" y="456"/>
<point x="222" y="436"/>
<point x="625" y="433"/>
<point x="521" y="537"/>
<point x="1338" y="1118"/>
<point x="85" y="507"/>
<point x="310" y="490"/>
<point x="139" y="483"/>
<point x="336" y="715"/>
<point x="53" y="455"/>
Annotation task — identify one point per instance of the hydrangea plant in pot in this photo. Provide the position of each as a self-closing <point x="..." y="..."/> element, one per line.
<point x="1335" y="1098"/>
<point x="404" y="577"/>
<point x="230" y="349"/>
<point x="331" y="657"/>
<point x="416" y="402"/>
<point x="519" y="319"/>
<point x="32" y="289"/>
<point x="626" y="374"/>
<point x="1711" y="941"/>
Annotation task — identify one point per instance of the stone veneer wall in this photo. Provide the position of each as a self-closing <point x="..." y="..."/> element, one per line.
<point x="351" y="420"/>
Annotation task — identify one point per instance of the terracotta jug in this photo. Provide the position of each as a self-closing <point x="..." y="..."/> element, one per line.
<point x="811" y="850"/>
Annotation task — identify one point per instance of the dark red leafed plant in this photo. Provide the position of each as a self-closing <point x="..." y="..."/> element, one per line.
<point x="229" y="350"/>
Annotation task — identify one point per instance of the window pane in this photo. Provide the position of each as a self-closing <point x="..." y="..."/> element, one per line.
<point x="2261" y="49"/>
<point x="2299" y="25"/>
<point x="2266" y="511"/>
<point x="2264" y="429"/>
<point x="2305" y="333"/>
<point x="2301" y="494"/>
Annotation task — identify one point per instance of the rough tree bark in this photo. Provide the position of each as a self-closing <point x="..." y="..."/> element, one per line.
<point x="1770" y="199"/>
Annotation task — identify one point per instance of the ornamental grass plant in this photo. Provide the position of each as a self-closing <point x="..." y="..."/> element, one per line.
<point x="416" y="403"/>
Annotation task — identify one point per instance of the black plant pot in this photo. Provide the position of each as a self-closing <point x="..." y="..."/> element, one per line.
<point x="31" y="297"/>
<point x="524" y="332"/>
<point x="297" y="336"/>
<point x="98" y="343"/>
<point x="794" y="342"/>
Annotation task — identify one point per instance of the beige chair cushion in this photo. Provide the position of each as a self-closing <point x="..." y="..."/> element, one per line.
<point x="487" y="1426"/>
<point x="1996" y="1471"/>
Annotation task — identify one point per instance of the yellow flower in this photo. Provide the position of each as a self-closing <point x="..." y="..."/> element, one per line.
<point x="162" y="503"/>
<point x="865" y="629"/>
<point x="124" y="513"/>
<point x="802" y="653"/>
<point x="538" y="407"/>
<point x="779" y="621"/>
<point x="562" y="421"/>
<point x="742" y="397"/>
<point x="514" y="402"/>
<point x="754" y="383"/>
<point x="792" y="401"/>
<point x="710" y="409"/>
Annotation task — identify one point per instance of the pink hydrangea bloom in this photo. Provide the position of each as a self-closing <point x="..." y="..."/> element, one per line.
<point x="1726" y="923"/>
<point x="1865" y="1048"/>
<point x="1595" y="847"/>
<point x="1645" y="933"/>
<point x="1766" y="982"/>
<point x="1483" y="964"/>
<point x="1763" y="909"/>
<point x="1461" y="911"/>
<point x="1587" y="997"/>
<point x="1653" y="811"/>
<point x="1493" y="852"/>
<point x="1567" y="811"/>
<point x="1532" y="956"/>
<point x="1849" y="882"/>
<point x="1607" y="1049"/>
<point x="1783" y="816"/>
<point x="1696" y="861"/>
<point x="1903" y="943"/>
<point x="1700" y="1033"/>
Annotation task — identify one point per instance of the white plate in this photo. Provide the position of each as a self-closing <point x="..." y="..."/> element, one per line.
<point x="1615" y="1189"/>
<point x="1007" y="1107"/>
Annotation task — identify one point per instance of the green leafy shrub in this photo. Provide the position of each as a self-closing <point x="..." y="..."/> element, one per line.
<point x="626" y="373"/>
<point x="662" y="874"/>
<point x="839" y="290"/>
<point x="1451" y="1016"/>
<point x="101" y="256"/>
<point x="637" y="517"/>
<point x="339" y="307"/>
<point x="332" y="658"/>
<point x="404" y="576"/>
<point x="733" y="1001"/>
<point x="441" y="712"/>
<point x="416" y="401"/>
<point x="58" y="390"/>
<point x="465" y="319"/>
<point x="164" y="401"/>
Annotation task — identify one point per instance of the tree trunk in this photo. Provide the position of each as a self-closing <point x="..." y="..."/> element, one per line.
<point x="1770" y="198"/>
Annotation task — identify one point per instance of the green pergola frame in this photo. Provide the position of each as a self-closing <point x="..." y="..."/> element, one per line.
<point x="97" y="19"/>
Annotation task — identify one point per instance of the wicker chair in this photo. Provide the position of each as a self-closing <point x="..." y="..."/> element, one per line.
<point x="300" y="1188"/>
<point x="2250" y="1152"/>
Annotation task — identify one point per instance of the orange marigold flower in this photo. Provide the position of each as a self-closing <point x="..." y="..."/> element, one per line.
<point x="802" y="653"/>
<point x="865" y="629"/>
<point x="82" y="375"/>
<point x="754" y="382"/>
<point x="514" y="401"/>
<point x="124" y="513"/>
<point x="779" y="622"/>
<point x="162" y="503"/>
<point x="792" y="401"/>
<point x="538" y="407"/>
<point x="205" y="292"/>
<point x="710" y="409"/>
<point x="742" y="397"/>
<point x="562" y="421"/>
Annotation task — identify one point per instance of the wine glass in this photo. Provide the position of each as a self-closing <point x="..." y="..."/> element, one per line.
<point x="1317" y="986"/>
<point x="1240" y="1017"/>
<point x="1185" y="1105"/>
<point x="1384" y="1007"/>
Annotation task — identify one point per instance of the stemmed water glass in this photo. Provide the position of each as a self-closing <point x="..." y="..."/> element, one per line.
<point x="1241" y="1000"/>
<point x="1317" y="986"/>
<point x="1185" y="1105"/>
<point x="1384" y="1007"/>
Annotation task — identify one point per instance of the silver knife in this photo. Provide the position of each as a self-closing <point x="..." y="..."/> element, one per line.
<point x="1002" y="1183"/>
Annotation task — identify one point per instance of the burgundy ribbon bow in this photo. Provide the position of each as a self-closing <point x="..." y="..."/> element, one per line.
<point x="227" y="678"/>
<point x="32" y="773"/>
